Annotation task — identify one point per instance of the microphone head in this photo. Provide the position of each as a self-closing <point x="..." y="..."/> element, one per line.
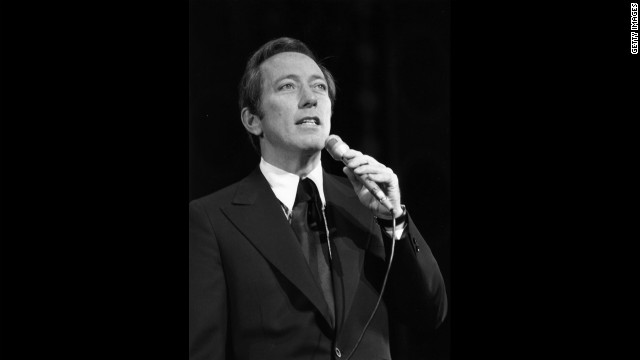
<point x="336" y="147"/>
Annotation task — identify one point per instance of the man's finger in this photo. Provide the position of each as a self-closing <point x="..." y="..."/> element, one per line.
<point x="350" y="154"/>
<point x="362" y="160"/>
<point x="388" y="178"/>
<point x="372" y="169"/>
<point x="352" y="178"/>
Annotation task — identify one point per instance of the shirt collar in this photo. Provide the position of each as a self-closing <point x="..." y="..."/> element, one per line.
<point x="285" y="184"/>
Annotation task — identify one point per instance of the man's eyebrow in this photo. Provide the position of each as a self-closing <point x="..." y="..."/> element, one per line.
<point x="296" y="77"/>
<point x="321" y="77"/>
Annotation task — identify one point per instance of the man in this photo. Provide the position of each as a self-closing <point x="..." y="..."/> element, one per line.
<point x="281" y="267"/>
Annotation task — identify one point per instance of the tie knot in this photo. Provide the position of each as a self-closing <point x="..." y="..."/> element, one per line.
<point x="307" y="190"/>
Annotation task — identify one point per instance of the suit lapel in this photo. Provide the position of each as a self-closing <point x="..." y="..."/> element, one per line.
<point x="257" y="213"/>
<point x="350" y="230"/>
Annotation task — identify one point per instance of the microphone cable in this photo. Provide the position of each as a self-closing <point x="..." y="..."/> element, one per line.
<point x="384" y="285"/>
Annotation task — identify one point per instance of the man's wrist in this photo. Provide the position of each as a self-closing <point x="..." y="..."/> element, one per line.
<point x="388" y="223"/>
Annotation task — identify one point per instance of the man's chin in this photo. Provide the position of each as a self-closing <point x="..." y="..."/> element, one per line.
<point x="313" y="144"/>
<point x="310" y="149"/>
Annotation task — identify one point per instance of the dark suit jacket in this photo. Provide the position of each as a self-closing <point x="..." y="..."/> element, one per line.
<point x="252" y="295"/>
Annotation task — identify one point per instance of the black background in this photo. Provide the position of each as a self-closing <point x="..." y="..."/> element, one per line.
<point x="391" y="62"/>
<point x="542" y="167"/>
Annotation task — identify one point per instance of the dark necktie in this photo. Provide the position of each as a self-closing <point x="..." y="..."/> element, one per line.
<point x="308" y="224"/>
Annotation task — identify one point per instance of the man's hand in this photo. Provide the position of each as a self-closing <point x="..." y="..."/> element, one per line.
<point x="359" y="164"/>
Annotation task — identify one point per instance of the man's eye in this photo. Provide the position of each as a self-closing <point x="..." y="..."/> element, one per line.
<point x="286" y="86"/>
<point x="322" y="86"/>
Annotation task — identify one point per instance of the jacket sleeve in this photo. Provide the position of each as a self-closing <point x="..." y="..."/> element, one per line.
<point x="207" y="290"/>
<point x="415" y="289"/>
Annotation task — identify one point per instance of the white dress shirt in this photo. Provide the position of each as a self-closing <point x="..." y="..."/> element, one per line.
<point x="285" y="186"/>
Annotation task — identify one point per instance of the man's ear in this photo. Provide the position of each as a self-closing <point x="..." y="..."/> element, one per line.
<point x="251" y="122"/>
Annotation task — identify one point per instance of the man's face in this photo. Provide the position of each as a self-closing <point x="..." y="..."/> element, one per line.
<point x="295" y="105"/>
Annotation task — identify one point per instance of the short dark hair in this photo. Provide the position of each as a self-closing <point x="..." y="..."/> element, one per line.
<point x="250" y="88"/>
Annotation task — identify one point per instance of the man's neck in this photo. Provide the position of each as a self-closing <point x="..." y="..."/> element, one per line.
<point x="300" y="164"/>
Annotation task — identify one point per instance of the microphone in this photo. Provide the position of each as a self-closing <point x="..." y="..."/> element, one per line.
<point x="336" y="148"/>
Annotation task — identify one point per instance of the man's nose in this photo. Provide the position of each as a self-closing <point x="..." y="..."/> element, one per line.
<point x="308" y="98"/>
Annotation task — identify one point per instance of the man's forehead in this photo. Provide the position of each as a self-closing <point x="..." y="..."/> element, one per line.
<point x="290" y="63"/>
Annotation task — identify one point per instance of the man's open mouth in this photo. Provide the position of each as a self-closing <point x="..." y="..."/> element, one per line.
<point x="309" y="120"/>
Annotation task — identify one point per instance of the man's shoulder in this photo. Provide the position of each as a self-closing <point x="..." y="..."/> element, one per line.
<point x="339" y="179"/>
<point x="224" y="195"/>
<point x="339" y="182"/>
<point x="221" y="196"/>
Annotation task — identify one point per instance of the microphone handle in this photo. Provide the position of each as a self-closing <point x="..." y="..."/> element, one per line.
<point x="375" y="190"/>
